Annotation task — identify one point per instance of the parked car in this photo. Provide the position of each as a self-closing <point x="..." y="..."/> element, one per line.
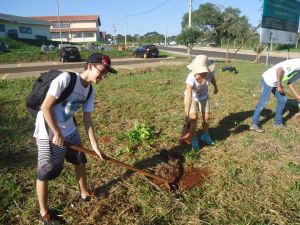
<point x="3" y="47"/>
<point x="146" y="51"/>
<point x="69" y="53"/>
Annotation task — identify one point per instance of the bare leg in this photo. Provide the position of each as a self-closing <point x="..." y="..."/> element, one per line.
<point x="80" y="172"/>
<point x="193" y="124"/>
<point x="205" y="119"/>
<point x="205" y="136"/>
<point x="42" y="194"/>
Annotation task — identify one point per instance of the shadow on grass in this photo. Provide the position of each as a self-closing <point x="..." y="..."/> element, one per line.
<point x="234" y="123"/>
<point x="163" y="156"/>
<point x="292" y="108"/>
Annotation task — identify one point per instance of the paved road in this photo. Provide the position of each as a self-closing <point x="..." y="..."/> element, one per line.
<point x="8" y="71"/>
<point x="248" y="55"/>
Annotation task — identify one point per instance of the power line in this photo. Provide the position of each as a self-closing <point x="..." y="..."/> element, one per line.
<point x="149" y="10"/>
<point x="175" y="9"/>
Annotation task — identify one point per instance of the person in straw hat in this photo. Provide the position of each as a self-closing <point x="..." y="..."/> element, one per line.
<point x="196" y="98"/>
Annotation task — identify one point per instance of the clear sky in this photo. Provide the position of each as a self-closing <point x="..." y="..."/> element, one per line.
<point x="142" y="15"/>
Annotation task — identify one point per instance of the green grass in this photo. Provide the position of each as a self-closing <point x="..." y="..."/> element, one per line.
<point x="254" y="177"/>
<point x="23" y="51"/>
<point x="34" y="54"/>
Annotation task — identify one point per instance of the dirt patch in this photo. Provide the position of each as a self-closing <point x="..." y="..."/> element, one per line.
<point x="194" y="177"/>
<point x="105" y="140"/>
<point x="183" y="179"/>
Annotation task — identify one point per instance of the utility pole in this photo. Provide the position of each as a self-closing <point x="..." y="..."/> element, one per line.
<point x="126" y="31"/>
<point x="59" y="25"/>
<point x="190" y="13"/>
<point x="114" y="34"/>
<point x="190" y="25"/>
<point x="139" y="36"/>
<point x="166" y="34"/>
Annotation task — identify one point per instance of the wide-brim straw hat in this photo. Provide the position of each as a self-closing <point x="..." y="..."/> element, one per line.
<point x="201" y="64"/>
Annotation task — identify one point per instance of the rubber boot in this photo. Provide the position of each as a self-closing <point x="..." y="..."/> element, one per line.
<point x="195" y="143"/>
<point x="206" y="138"/>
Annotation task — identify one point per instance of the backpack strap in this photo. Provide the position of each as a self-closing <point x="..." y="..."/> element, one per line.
<point x="89" y="94"/>
<point x="68" y="90"/>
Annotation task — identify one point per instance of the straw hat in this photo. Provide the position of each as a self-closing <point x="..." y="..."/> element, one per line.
<point x="201" y="64"/>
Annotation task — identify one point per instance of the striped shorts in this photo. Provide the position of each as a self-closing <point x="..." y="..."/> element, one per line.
<point x="51" y="157"/>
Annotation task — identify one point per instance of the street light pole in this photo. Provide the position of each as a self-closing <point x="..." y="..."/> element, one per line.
<point x="166" y="34"/>
<point x="114" y="41"/>
<point x="126" y="31"/>
<point x="190" y="13"/>
<point x="59" y="25"/>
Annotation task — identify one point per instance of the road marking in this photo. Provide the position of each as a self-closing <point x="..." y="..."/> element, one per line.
<point x="5" y="76"/>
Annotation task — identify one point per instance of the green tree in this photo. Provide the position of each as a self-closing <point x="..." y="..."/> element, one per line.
<point x="152" y="37"/>
<point x="189" y="37"/>
<point x="217" y="25"/>
<point x="207" y="19"/>
<point x="234" y="26"/>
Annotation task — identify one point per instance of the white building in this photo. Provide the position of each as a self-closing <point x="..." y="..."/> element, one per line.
<point x="23" y="27"/>
<point x="73" y="28"/>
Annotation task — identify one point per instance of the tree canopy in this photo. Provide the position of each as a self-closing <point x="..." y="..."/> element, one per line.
<point x="216" y="24"/>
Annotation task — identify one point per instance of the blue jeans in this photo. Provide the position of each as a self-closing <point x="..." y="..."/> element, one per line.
<point x="265" y="95"/>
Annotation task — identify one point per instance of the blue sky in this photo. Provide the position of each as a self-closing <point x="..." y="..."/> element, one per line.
<point x="142" y="15"/>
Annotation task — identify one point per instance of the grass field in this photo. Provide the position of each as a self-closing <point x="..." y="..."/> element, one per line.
<point x="254" y="178"/>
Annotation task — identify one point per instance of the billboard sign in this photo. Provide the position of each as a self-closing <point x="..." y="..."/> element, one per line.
<point x="280" y="21"/>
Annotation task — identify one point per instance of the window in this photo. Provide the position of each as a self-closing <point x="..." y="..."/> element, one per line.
<point x="77" y="35"/>
<point x="62" y="25"/>
<point x="65" y="24"/>
<point x="2" y="28"/>
<point x="87" y="34"/>
<point x="55" y="25"/>
<point x="57" y="35"/>
<point x="65" y="35"/>
<point x="25" y="30"/>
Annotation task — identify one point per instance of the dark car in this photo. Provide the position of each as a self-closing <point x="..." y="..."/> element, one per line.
<point x="69" y="54"/>
<point x="146" y="51"/>
<point x="3" y="47"/>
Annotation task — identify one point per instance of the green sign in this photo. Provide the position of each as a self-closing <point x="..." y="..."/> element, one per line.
<point x="281" y="15"/>
<point x="280" y="21"/>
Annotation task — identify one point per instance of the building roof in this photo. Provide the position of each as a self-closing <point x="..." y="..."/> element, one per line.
<point x="70" y="30"/>
<point x="68" y="18"/>
<point x="22" y="20"/>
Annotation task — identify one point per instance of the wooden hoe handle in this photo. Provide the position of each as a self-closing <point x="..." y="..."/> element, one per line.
<point x="112" y="160"/>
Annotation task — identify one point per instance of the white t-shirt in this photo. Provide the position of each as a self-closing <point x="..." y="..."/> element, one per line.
<point x="65" y="110"/>
<point x="288" y="67"/>
<point x="199" y="91"/>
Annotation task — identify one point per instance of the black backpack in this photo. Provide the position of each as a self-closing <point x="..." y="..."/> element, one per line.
<point x="41" y="87"/>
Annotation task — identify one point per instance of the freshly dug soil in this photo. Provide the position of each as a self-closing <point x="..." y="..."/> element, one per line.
<point x="192" y="177"/>
<point x="183" y="179"/>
